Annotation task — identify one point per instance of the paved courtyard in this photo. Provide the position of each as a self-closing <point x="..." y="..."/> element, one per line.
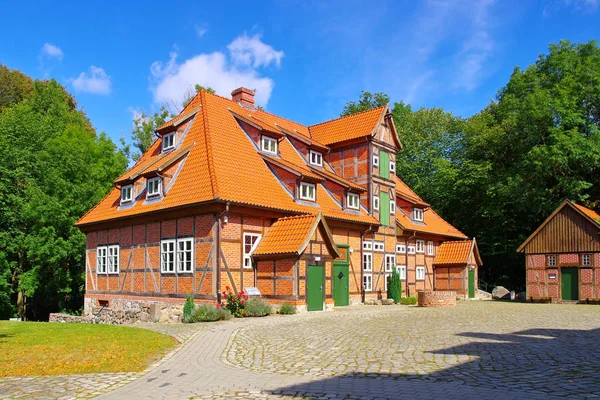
<point x="491" y="349"/>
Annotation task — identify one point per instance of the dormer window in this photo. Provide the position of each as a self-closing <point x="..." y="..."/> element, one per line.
<point x="269" y="145"/>
<point x="418" y="214"/>
<point x="168" y="141"/>
<point x="154" y="187"/>
<point x="316" y="158"/>
<point x="307" y="191"/>
<point x="353" y="201"/>
<point x="126" y="193"/>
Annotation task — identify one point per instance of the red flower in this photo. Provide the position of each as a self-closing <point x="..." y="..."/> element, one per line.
<point x="226" y="287"/>
<point x="224" y="293"/>
<point x="244" y="313"/>
<point x="218" y="305"/>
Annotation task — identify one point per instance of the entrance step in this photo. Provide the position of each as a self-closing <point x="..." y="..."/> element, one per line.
<point x="483" y="295"/>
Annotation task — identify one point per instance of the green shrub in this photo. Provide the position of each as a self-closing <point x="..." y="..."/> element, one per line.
<point x="287" y="309"/>
<point x="258" y="308"/>
<point x="209" y="313"/>
<point x="394" y="290"/>
<point x="408" y="301"/>
<point x="188" y="308"/>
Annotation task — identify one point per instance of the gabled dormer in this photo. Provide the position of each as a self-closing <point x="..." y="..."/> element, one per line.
<point x="172" y="133"/>
<point x="265" y="137"/>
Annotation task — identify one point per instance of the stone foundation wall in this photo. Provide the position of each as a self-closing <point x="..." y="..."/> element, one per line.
<point x="126" y="311"/>
<point x="58" y="317"/>
<point x="436" y="298"/>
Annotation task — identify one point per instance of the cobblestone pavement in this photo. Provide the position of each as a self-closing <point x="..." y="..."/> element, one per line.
<point x="491" y="349"/>
<point x="88" y="385"/>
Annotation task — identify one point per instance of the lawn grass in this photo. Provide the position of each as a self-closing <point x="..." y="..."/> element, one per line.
<point x="47" y="348"/>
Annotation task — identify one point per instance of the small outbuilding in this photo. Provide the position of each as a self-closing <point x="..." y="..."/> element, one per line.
<point x="456" y="265"/>
<point x="562" y="256"/>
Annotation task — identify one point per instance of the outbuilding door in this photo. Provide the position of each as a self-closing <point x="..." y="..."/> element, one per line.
<point x="569" y="283"/>
<point x="314" y="287"/>
<point x="471" y="283"/>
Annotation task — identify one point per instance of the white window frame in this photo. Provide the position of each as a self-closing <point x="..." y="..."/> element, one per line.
<point x="386" y="277"/>
<point x="583" y="257"/>
<point x="420" y="246"/>
<point x="390" y="261"/>
<point x="112" y="259"/>
<point x="368" y="282"/>
<point x="353" y="201"/>
<point x="411" y="249"/>
<point x="308" y="196"/>
<point x="376" y="202"/>
<point x="376" y="160"/>
<point x="368" y="245"/>
<point x="392" y="207"/>
<point x="247" y="260"/>
<point x="401" y="271"/>
<point x="268" y="144"/>
<point x="165" y="260"/>
<point x="149" y="185"/>
<point x="401" y="248"/>
<point x="315" y="158"/>
<point x="367" y="262"/>
<point x="393" y="166"/>
<point x="420" y="271"/>
<point x="553" y="263"/>
<point x="126" y="189"/>
<point x="430" y="248"/>
<point x="168" y="141"/>
<point x="185" y="256"/>
<point x="378" y="245"/>
<point x="418" y="214"/>
<point x="101" y="259"/>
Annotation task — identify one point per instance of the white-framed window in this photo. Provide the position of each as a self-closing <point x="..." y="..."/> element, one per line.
<point x="367" y="262"/>
<point x="375" y="160"/>
<point x="167" y="256"/>
<point x="315" y="158"/>
<point x="586" y="259"/>
<point x="368" y="282"/>
<point x="390" y="261"/>
<point x="386" y="279"/>
<point x="401" y="248"/>
<point x="418" y="214"/>
<point x="168" y="141"/>
<point x="101" y="260"/>
<point x="269" y="145"/>
<point x="368" y="245"/>
<point x="378" y="245"/>
<point x="126" y="193"/>
<point x="552" y="261"/>
<point x="420" y="245"/>
<point x="392" y="207"/>
<point x="113" y="259"/>
<point x="376" y="202"/>
<point x="411" y="249"/>
<point x="430" y="248"/>
<point x="250" y="243"/>
<point x="154" y="186"/>
<point x="392" y="166"/>
<point x="401" y="271"/>
<point x="353" y="201"/>
<point x="420" y="273"/>
<point x="307" y="191"/>
<point x="185" y="255"/>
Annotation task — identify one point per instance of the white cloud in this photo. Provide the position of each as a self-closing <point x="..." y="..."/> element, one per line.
<point x="97" y="82"/>
<point x="200" y="30"/>
<point x="51" y="51"/>
<point x="252" y="51"/>
<point x="171" y="81"/>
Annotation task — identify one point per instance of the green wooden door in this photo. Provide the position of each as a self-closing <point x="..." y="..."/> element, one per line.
<point x="341" y="291"/>
<point x="384" y="208"/>
<point x="384" y="164"/>
<point x="569" y="281"/>
<point x="315" y="287"/>
<point x="471" y="283"/>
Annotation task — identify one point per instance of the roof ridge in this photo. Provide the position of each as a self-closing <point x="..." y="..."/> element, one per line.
<point x="296" y="217"/>
<point x="346" y="116"/>
<point x="283" y="118"/>
<point x="208" y="144"/>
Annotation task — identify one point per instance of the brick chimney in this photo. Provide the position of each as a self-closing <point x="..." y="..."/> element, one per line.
<point x="243" y="96"/>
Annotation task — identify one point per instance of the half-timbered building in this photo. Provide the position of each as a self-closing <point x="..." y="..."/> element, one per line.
<point x="231" y="195"/>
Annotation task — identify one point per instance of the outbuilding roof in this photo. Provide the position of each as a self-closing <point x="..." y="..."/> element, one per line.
<point x="460" y="252"/>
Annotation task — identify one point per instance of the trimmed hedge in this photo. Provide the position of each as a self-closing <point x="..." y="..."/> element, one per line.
<point x="408" y="301"/>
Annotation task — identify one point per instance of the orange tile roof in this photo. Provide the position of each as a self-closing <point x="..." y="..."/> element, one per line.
<point x="295" y="167"/>
<point x="454" y="252"/>
<point x="178" y="119"/>
<point x="589" y="212"/>
<point x="336" y="178"/>
<point x="405" y="192"/>
<point x="287" y="236"/>
<point x="347" y="128"/>
<point x="432" y="223"/>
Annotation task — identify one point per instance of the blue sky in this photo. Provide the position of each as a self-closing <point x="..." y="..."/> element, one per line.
<point x="306" y="59"/>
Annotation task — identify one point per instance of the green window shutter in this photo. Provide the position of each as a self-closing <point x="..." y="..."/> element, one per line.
<point x="384" y="165"/>
<point x="384" y="208"/>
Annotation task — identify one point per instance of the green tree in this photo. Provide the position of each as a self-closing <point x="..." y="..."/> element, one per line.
<point x="394" y="287"/>
<point x="53" y="168"/>
<point x="14" y="86"/>
<point x="366" y="101"/>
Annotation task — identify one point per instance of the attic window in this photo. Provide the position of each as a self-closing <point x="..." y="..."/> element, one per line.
<point x="126" y="193"/>
<point x="269" y="145"/>
<point x="168" y="141"/>
<point x="376" y="202"/>
<point x="316" y="158"/>
<point x="154" y="187"/>
<point x="418" y="214"/>
<point x="353" y="201"/>
<point x="375" y="160"/>
<point x="307" y="191"/>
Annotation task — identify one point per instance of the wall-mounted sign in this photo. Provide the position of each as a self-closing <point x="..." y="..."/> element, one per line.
<point x="551" y="276"/>
<point x="252" y="291"/>
<point x="317" y="258"/>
